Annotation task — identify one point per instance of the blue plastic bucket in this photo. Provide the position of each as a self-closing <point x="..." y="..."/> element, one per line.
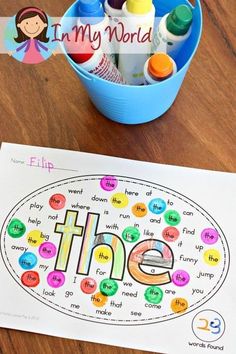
<point x="141" y="104"/>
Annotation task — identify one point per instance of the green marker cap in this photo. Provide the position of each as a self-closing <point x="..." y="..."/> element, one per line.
<point x="179" y="20"/>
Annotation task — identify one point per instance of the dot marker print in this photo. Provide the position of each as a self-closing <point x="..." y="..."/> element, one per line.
<point x="119" y="200"/>
<point x="209" y="236"/>
<point x="131" y="234"/>
<point x="139" y="210"/>
<point x="172" y="217"/>
<point x="157" y="206"/>
<point x="57" y="201"/>
<point x="30" y="279"/>
<point x="16" y="228"/>
<point x="99" y="300"/>
<point x="109" y="183"/>
<point x="47" y="250"/>
<point x="179" y="305"/>
<point x="88" y="285"/>
<point x="108" y="287"/>
<point x="103" y="254"/>
<point x="35" y="238"/>
<point x="170" y="234"/>
<point x="153" y="294"/>
<point x="28" y="260"/>
<point x="56" y="279"/>
<point x="212" y="257"/>
<point x="180" y="278"/>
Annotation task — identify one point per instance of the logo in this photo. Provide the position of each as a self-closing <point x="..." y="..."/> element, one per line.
<point x="27" y="36"/>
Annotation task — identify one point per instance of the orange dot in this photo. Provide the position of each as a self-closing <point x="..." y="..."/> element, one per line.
<point x="179" y="305"/>
<point x="99" y="299"/>
<point x="139" y="210"/>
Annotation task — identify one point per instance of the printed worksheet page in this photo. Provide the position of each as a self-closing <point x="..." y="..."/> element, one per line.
<point x="115" y="251"/>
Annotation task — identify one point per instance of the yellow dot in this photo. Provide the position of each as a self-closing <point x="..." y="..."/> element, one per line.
<point x="139" y="210"/>
<point x="35" y="238"/>
<point x="212" y="257"/>
<point x="179" y="305"/>
<point x="99" y="299"/>
<point x="103" y="254"/>
<point x="119" y="200"/>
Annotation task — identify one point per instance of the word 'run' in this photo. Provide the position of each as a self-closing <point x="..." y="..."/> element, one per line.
<point x="138" y="256"/>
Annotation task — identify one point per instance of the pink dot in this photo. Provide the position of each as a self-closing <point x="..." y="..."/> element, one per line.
<point x="56" y="279"/>
<point x="57" y="201"/>
<point x="180" y="278"/>
<point x="109" y="183"/>
<point x="47" y="250"/>
<point x="88" y="285"/>
<point x="209" y="236"/>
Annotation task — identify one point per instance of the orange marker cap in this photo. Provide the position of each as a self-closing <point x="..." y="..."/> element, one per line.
<point x="160" y="65"/>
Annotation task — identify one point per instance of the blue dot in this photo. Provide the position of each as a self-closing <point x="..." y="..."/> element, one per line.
<point x="157" y="206"/>
<point x="28" y="260"/>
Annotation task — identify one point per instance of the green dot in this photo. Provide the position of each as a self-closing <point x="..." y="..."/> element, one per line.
<point x="108" y="287"/>
<point x="172" y="217"/>
<point x="153" y="294"/>
<point x="16" y="228"/>
<point x="131" y="234"/>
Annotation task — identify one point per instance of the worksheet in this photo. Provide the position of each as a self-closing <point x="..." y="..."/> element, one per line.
<point x="116" y="251"/>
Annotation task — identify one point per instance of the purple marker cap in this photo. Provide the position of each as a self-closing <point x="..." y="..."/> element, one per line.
<point x="116" y="4"/>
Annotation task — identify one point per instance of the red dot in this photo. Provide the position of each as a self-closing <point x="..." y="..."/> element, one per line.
<point x="88" y="285"/>
<point x="170" y="234"/>
<point x="57" y="201"/>
<point x="30" y="279"/>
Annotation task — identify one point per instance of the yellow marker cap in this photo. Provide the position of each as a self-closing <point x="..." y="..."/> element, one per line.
<point x="160" y="65"/>
<point x="139" y="6"/>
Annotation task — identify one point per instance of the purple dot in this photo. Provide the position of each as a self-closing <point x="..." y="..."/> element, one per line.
<point x="47" y="250"/>
<point x="108" y="183"/>
<point x="56" y="279"/>
<point x="209" y="236"/>
<point x="180" y="277"/>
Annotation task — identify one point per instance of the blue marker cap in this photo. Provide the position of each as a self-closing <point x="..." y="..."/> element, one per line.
<point x="91" y="8"/>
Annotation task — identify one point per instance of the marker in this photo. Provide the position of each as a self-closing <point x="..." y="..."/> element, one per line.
<point x="158" y="67"/>
<point x="93" y="61"/>
<point x="138" y="14"/>
<point x="173" y="31"/>
<point x="91" y="13"/>
<point x="113" y="9"/>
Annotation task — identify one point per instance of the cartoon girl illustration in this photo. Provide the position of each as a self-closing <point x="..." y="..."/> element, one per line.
<point x="31" y="25"/>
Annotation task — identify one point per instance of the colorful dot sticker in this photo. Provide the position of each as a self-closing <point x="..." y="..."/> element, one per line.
<point x="119" y="200"/>
<point x="139" y="210"/>
<point x="28" y="260"/>
<point x="103" y="254"/>
<point x="57" y="201"/>
<point x="16" y="228"/>
<point x="153" y="294"/>
<point x="157" y="206"/>
<point x="56" y="279"/>
<point x="172" y="217"/>
<point x="180" y="278"/>
<point x="108" y="183"/>
<point x="35" y="238"/>
<point x="99" y="300"/>
<point x="179" y="305"/>
<point x="131" y="234"/>
<point x="30" y="279"/>
<point x="108" y="287"/>
<point x="212" y="257"/>
<point x="170" y="234"/>
<point x="47" y="250"/>
<point x="209" y="236"/>
<point x="88" y="285"/>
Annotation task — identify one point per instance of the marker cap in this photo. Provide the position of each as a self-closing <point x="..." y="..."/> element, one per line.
<point x="160" y="66"/>
<point x="90" y="8"/>
<point x="139" y="6"/>
<point x="116" y="4"/>
<point x="179" y="20"/>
